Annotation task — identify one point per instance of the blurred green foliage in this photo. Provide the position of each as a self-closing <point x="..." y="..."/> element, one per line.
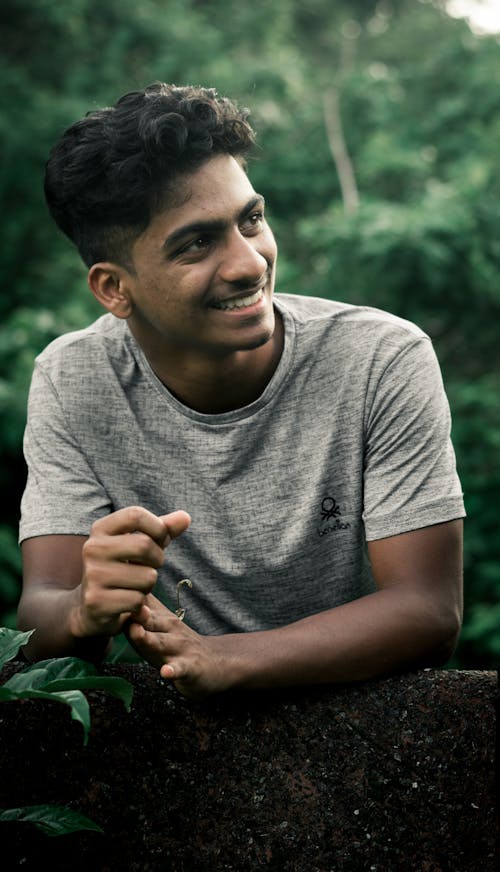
<point x="418" y="111"/>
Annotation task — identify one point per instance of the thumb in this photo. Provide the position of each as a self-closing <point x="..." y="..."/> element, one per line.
<point x="176" y="522"/>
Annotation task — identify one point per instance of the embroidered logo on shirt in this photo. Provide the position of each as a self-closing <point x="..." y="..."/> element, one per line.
<point x="330" y="512"/>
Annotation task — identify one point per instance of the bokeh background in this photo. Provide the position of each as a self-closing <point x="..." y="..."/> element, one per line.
<point x="379" y="156"/>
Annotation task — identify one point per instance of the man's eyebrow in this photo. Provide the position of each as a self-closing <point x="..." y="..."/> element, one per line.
<point x="214" y="226"/>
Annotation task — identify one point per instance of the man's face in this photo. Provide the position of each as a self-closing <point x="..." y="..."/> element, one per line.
<point x="204" y="269"/>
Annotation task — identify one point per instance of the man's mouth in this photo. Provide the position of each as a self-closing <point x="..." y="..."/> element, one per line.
<point x="240" y="302"/>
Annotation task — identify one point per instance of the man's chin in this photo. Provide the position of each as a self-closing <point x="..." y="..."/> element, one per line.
<point x="259" y="341"/>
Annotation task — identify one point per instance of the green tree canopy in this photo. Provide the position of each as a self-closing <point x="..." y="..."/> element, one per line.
<point x="378" y="156"/>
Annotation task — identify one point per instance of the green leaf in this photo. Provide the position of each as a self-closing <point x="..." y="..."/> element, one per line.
<point x="74" y="698"/>
<point x="54" y="820"/>
<point x="63" y="679"/>
<point x="27" y="679"/>
<point x="39" y="674"/>
<point x="118" y="687"/>
<point x="66" y="667"/>
<point x="10" y="643"/>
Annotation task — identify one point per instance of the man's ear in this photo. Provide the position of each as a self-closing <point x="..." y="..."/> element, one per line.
<point x="108" y="283"/>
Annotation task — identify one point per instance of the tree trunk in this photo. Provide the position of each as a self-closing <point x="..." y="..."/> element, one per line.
<point x="338" y="148"/>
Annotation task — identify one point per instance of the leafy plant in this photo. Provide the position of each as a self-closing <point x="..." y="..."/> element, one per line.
<point x="53" y="820"/>
<point x="62" y="679"/>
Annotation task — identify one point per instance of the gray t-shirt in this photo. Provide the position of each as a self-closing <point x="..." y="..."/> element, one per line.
<point x="350" y="441"/>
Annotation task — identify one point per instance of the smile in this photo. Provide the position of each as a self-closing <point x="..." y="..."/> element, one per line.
<point x="242" y="302"/>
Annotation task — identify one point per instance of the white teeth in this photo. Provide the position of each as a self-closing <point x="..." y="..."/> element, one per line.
<point x="241" y="303"/>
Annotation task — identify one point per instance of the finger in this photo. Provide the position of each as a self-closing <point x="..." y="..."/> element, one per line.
<point x="154" y="604"/>
<point x="100" y="575"/>
<point x="142" y="615"/>
<point x="130" y="520"/>
<point x="136" y="548"/>
<point x="152" y="613"/>
<point x="111" y="603"/>
<point x="178" y="672"/>
<point x="158" y="645"/>
<point x="110" y="608"/>
<point x="150" y="646"/>
<point x="164" y="621"/>
<point x="135" y="631"/>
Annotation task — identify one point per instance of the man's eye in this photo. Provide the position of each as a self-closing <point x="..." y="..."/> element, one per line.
<point x="254" y="221"/>
<point x="196" y="245"/>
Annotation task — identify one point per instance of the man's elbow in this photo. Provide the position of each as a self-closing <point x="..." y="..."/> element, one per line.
<point x="445" y="638"/>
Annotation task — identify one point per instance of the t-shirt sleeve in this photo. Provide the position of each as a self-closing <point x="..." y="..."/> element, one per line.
<point x="62" y="493"/>
<point x="410" y="475"/>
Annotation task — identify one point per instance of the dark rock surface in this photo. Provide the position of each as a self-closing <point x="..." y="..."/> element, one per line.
<point x="393" y="775"/>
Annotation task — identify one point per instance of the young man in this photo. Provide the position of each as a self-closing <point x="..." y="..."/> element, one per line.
<point x="308" y="440"/>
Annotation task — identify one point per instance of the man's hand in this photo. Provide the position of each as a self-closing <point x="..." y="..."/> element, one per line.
<point x="193" y="662"/>
<point x="120" y="562"/>
<point x="78" y="591"/>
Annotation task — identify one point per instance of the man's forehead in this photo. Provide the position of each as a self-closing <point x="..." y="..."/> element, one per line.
<point x="221" y="177"/>
<point x="218" y="190"/>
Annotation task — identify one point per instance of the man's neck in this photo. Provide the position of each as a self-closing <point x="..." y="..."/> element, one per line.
<point x="217" y="385"/>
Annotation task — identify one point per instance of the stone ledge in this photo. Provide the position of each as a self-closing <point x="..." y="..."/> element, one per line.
<point x="392" y="775"/>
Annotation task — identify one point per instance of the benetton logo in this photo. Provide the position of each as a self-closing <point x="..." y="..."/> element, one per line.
<point x="330" y="511"/>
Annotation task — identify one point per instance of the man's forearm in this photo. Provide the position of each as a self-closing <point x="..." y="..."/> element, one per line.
<point x="48" y="610"/>
<point x="383" y="632"/>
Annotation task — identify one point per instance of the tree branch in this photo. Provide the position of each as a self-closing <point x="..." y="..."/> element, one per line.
<point x="338" y="148"/>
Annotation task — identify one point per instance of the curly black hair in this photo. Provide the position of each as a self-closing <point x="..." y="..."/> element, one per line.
<point x="111" y="172"/>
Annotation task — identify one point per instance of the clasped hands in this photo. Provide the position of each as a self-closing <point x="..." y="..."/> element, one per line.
<point x="121" y="559"/>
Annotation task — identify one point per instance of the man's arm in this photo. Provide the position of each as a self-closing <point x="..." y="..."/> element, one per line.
<point x="412" y="620"/>
<point x="52" y="572"/>
<point x="78" y="592"/>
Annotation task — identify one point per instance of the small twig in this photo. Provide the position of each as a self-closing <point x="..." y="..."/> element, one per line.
<point x="180" y="612"/>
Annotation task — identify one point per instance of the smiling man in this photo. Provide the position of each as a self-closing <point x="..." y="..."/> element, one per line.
<point x="296" y="449"/>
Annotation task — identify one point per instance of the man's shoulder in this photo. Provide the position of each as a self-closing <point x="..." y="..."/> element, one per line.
<point x="346" y="316"/>
<point x="353" y="339"/>
<point x="88" y="345"/>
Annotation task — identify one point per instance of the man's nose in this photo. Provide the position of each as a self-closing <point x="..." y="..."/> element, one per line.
<point x="242" y="262"/>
